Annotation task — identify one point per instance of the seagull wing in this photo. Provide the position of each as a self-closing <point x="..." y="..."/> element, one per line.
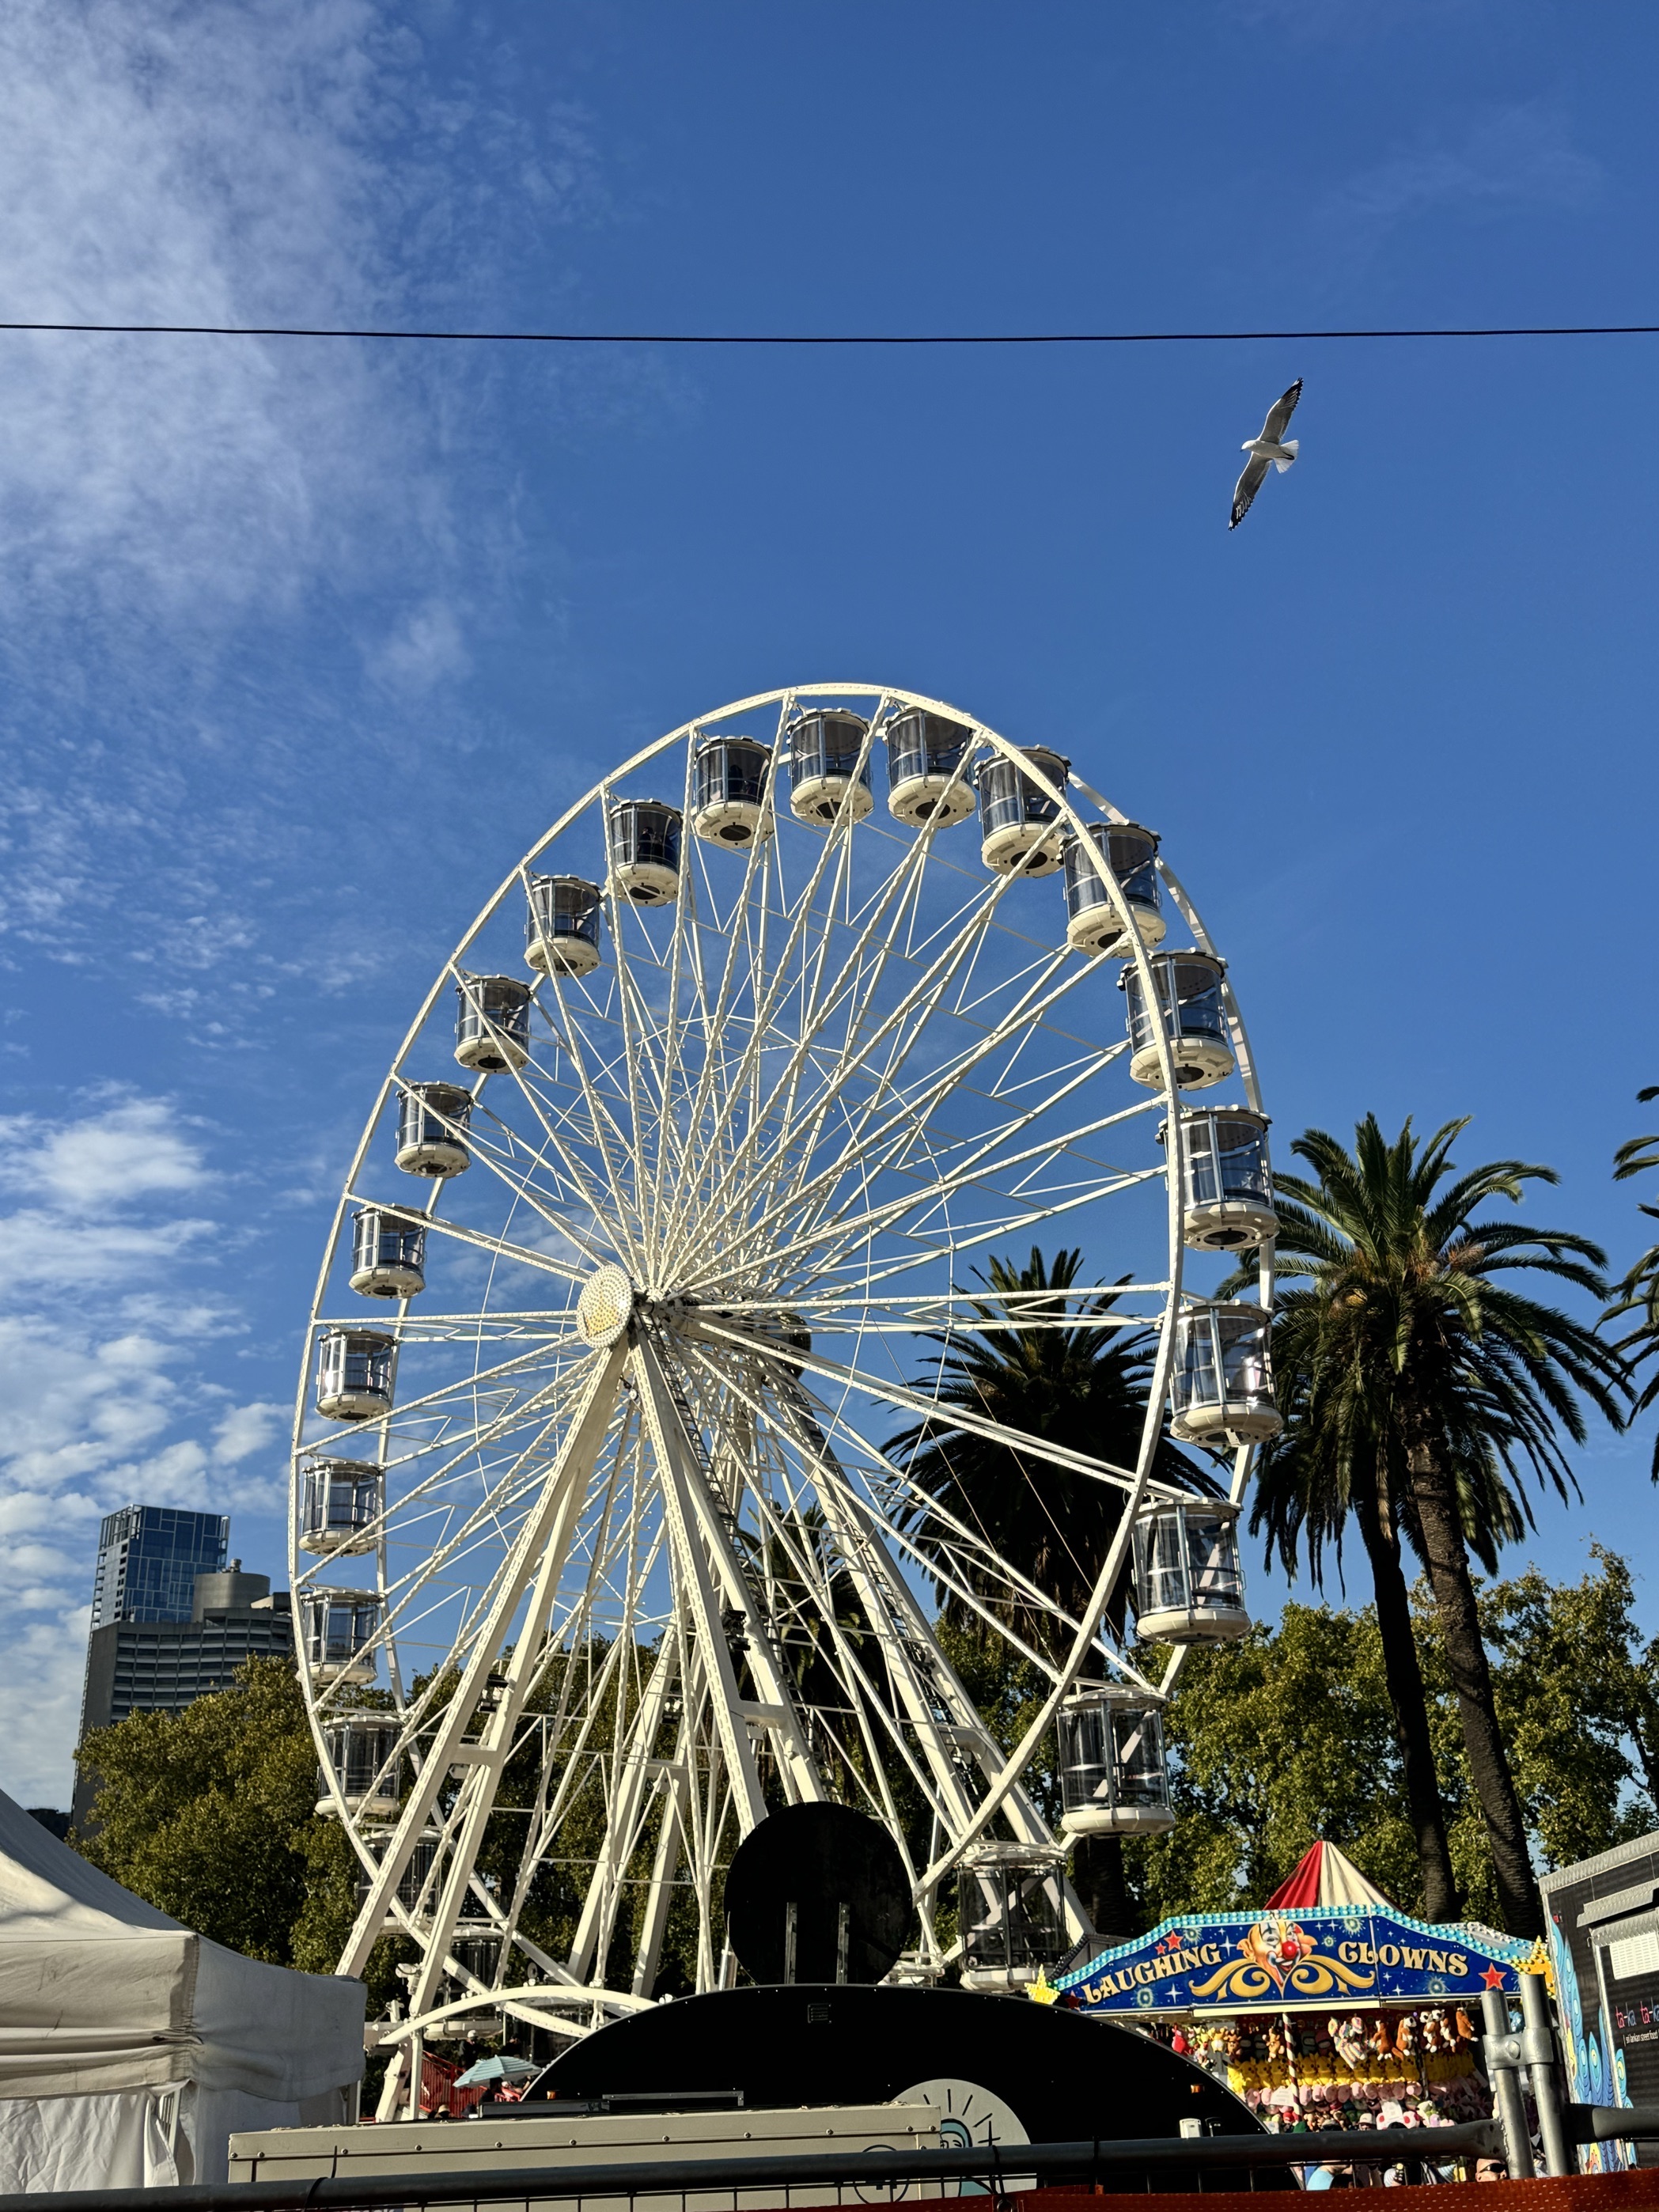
<point x="1255" y="471"/>
<point x="1280" y="414"/>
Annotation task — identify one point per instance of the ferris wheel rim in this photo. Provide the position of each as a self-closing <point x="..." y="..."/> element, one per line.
<point x="1170" y="1096"/>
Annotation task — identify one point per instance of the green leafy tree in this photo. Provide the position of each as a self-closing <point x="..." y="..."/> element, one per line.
<point x="206" y="1812"/>
<point x="1422" y="1382"/>
<point x="1309" y="1483"/>
<point x="1276" y="1740"/>
<point x="1285" y="1737"/>
<point x="210" y="1813"/>
<point x="1042" y="1366"/>
<point x="1576" y="1692"/>
<point x="1638" y="1292"/>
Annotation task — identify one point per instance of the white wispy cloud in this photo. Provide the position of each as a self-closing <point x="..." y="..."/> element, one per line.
<point x="109" y="1397"/>
<point x="425" y="647"/>
<point x="183" y="164"/>
<point x="46" y="1664"/>
<point x="134" y="1147"/>
<point x="228" y="568"/>
<point x="1509" y="158"/>
<point x="169" y="502"/>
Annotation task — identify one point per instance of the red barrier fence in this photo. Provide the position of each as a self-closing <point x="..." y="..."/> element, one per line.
<point x="1636" y="2191"/>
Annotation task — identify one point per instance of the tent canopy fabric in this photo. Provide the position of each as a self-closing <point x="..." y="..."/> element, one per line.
<point x="1323" y="1875"/>
<point x="99" y="1991"/>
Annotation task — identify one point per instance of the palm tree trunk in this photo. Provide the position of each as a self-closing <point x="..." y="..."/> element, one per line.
<point x="1410" y="1711"/>
<point x="1103" y="1888"/>
<point x="1448" y="1563"/>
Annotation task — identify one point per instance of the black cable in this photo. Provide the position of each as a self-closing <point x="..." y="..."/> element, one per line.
<point x="833" y="338"/>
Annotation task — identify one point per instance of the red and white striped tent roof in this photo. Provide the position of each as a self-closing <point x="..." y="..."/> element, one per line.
<point x="1325" y="1875"/>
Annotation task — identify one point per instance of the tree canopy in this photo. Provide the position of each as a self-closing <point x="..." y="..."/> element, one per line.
<point x="1284" y="1737"/>
<point x="1424" y="1385"/>
<point x="210" y="1813"/>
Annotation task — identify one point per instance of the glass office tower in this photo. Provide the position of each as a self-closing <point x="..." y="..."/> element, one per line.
<point x="149" y="1558"/>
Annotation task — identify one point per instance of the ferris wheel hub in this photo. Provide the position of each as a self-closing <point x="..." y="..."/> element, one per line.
<point x="605" y="1306"/>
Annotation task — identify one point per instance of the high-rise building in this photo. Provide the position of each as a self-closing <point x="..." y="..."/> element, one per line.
<point x="149" y="1558"/>
<point x="149" y="1654"/>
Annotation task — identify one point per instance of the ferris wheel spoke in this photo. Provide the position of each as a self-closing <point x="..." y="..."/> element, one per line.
<point x="625" y="1809"/>
<point x="909" y="1698"/>
<point x="483" y="1522"/>
<point x="948" y="1250"/>
<point x="799" y="966"/>
<point x="861" y="1381"/>
<point x="936" y="1235"/>
<point x="897" y="1128"/>
<point x="984" y="1165"/>
<point x="436" y="1402"/>
<point x="598" y="1129"/>
<point x="525" y="1191"/>
<point x="501" y="1247"/>
<point x="709" y="1568"/>
<point x="590" y="1198"/>
<point x="643" y="1073"/>
<point x="530" y="1572"/>
<point x="922" y="994"/>
<point x="899" y="1031"/>
<point x="810" y="1431"/>
<point x="935" y="1689"/>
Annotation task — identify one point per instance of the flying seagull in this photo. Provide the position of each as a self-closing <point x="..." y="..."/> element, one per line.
<point x="1272" y="446"/>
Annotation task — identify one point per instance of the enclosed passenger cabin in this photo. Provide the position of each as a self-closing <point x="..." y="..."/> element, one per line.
<point x="342" y="1504"/>
<point x="1227" y="1193"/>
<point x="492" y="1022"/>
<point x="1020" y="827"/>
<point x="362" y="1753"/>
<point x="339" y="1627"/>
<point x="432" y="1123"/>
<point x="1113" y="1781"/>
<point x="477" y="1951"/>
<point x="562" y="926"/>
<point x="1011" y="1915"/>
<point x="826" y="770"/>
<point x="1187" y="1586"/>
<point x="1223" y="1392"/>
<point x="1092" y="923"/>
<point x="644" y="839"/>
<point x="1189" y="988"/>
<point x="411" y="1883"/>
<point x="927" y="775"/>
<point x="388" y="1253"/>
<point x="730" y="801"/>
<point x="355" y="1368"/>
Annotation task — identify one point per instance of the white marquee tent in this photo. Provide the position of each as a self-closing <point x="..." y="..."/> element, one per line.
<point x="130" y="2047"/>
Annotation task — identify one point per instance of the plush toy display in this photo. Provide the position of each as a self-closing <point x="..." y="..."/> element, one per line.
<point x="1336" y="2072"/>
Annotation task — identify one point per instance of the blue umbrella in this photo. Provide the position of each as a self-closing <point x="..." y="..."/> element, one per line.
<point x="494" y="2069"/>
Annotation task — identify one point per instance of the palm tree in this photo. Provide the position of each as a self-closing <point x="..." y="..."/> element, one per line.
<point x="1639" y="1291"/>
<point x="1045" y="1366"/>
<point x="1419" y="1387"/>
<point x="1320" y="1471"/>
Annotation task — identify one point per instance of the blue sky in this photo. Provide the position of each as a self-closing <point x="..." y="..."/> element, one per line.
<point x="301" y="644"/>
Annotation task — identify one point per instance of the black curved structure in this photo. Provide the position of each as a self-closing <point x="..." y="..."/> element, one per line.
<point x="1064" y="2078"/>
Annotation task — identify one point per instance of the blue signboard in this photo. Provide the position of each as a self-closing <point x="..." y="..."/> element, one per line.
<point x="1317" y="1956"/>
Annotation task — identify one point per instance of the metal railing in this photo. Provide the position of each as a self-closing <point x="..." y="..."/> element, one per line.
<point x="1509" y="2054"/>
<point x="1001" y="2168"/>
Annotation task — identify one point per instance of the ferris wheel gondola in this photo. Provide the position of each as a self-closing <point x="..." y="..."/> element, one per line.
<point x="648" y="1291"/>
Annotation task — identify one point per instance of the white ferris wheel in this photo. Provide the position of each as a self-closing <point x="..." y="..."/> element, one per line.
<point x="600" y="1553"/>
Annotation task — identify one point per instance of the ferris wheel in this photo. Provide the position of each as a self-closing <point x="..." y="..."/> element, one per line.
<point x="601" y="1549"/>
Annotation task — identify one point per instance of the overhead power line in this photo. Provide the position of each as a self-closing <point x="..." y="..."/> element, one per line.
<point x="831" y="337"/>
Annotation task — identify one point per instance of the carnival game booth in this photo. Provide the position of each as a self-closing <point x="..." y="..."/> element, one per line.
<point x="130" y="2047"/>
<point x="1325" y="2009"/>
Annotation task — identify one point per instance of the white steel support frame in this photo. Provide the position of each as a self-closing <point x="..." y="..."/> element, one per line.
<point x="785" y="1118"/>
